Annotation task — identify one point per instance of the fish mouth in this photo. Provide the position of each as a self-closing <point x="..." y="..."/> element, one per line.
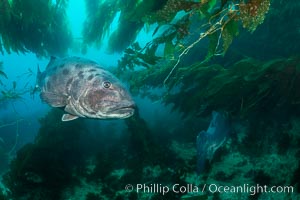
<point x="131" y="107"/>
<point x="126" y="110"/>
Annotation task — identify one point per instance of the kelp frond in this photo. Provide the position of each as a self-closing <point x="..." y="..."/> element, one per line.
<point x="39" y="26"/>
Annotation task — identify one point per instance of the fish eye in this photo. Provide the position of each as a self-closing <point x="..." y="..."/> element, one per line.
<point x="106" y="84"/>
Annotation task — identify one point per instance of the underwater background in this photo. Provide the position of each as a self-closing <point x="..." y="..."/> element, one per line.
<point x="217" y="90"/>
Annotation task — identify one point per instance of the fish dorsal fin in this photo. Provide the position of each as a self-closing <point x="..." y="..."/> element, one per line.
<point x="68" y="117"/>
<point x="52" y="60"/>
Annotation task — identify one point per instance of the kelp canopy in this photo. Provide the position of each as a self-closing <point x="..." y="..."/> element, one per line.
<point x="248" y="88"/>
<point x="176" y="26"/>
<point x="182" y="25"/>
<point x="216" y="19"/>
<point x="39" y="26"/>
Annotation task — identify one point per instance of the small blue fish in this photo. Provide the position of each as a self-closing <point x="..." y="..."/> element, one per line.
<point x="212" y="139"/>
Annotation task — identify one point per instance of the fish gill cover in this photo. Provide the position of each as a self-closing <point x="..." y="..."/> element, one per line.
<point x="182" y="60"/>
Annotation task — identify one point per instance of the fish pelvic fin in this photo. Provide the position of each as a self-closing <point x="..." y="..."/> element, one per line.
<point x="68" y="117"/>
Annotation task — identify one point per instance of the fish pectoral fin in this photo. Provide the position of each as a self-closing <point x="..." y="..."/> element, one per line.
<point x="68" y="117"/>
<point x="55" y="100"/>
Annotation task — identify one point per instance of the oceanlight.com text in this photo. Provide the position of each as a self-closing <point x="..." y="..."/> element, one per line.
<point x="210" y="188"/>
<point x="250" y="189"/>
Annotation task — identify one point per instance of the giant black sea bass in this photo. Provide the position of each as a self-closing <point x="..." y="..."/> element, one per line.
<point x="83" y="89"/>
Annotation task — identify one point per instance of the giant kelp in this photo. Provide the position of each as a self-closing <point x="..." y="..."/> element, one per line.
<point x="102" y="13"/>
<point x="41" y="170"/>
<point x="9" y="93"/>
<point x="204" y="86"/>
<point x="2" y="73"/>
<point x="55" y="166"/>
<point x="37" y="26"/>
<point x="247" y="88"/>
<point x="275" y="38"/>
<point x="183" y="25"/>
<point x="99" y="17"/>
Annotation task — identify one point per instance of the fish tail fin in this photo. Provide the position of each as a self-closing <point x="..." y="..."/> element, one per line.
<point x="36" y="87"/>
<point x="38" y="76"/>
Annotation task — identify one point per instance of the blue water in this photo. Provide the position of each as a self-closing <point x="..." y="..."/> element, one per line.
<point x="16" y="66"/>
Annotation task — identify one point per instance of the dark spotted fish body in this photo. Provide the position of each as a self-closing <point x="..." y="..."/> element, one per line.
<point x="84" y="89"/>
